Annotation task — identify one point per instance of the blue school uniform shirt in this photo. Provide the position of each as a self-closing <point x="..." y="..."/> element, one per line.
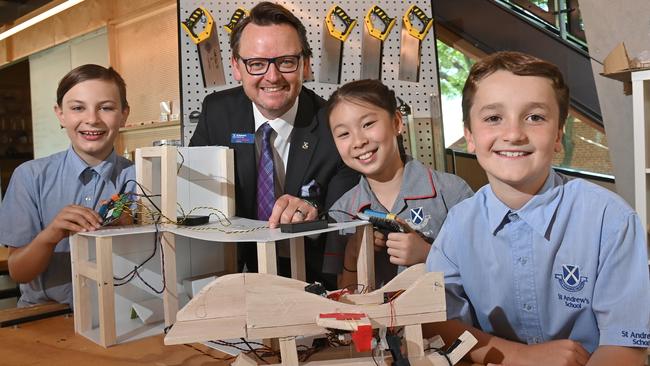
<point x="424" y="198"/>
<point x="38" y="190"/>
<point x="570" y="264"/>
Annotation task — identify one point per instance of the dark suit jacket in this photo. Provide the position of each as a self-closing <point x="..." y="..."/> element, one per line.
<point x="313" y="154"/>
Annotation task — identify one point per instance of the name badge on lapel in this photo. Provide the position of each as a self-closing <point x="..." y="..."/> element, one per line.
<point x="242" y="138"/>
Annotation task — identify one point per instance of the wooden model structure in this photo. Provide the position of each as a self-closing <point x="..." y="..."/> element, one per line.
<point x="95" y="255"/>
<point x="255" y="305"/>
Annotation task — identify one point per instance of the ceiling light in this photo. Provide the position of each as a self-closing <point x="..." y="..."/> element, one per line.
<point x="40" y="17"/>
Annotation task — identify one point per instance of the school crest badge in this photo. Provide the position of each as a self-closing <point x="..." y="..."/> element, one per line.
<point x="417" y="216"/>
<point x="570" y="278"/>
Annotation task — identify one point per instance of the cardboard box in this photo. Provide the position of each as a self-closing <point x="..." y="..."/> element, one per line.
<point x="618" y="66"/>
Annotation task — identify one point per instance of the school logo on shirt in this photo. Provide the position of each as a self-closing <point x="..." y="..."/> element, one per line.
<point x="417" y="216"/>
<point x="570" y="279"/>
<point x="419" y="221"/>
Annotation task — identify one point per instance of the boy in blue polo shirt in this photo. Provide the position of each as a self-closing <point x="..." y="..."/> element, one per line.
<point x="50" y="198"/>
<point x="542" y="269"/>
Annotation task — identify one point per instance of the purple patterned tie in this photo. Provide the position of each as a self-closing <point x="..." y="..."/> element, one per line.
<point x="265" y="185"/>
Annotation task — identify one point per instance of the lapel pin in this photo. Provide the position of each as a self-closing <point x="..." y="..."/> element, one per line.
<point x="305" y="145"/>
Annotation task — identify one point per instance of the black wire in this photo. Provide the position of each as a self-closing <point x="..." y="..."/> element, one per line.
<point x="182" y="161"/>
<point x="135" y="271"/>
<point x="441" y="352"/>
<point x="372" y="353"/>
<point x="209" y="355"/>
<point x="254" y="351"/>
<point x="137" y="267"/>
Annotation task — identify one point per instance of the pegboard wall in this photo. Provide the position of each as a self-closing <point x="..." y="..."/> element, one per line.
<point x="312" y="13"/>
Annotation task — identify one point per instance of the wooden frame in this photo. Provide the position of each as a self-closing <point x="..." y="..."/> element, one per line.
<point x="100" y="271"/>
<point x="255" y="305"/>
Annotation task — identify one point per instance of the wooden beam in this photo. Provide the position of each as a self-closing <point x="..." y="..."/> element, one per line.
<point x="297" y="257"/>
<point x="266" y="257"/>
<point x="105" y="291"/>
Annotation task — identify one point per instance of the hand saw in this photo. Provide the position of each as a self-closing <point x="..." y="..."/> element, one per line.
<point x="410" y="128"/>
<point x="207" y="43"/>
<point x="237" y="16"/>
<point x="412" y="36"/>
<point x="372" y="43"/>
<point x="332" y="49"/>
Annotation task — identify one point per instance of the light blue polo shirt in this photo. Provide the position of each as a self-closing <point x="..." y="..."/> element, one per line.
<point x="571" y="264"/>
<point x="38" y="190"/>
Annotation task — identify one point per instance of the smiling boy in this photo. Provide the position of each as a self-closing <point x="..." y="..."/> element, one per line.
<point x="50" y="198"/>
<point x="543" y="269"/>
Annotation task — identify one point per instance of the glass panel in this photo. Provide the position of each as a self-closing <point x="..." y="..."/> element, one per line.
<point x="453" y="70"/>
<point x="543" y="4"/>
<point x="584" y="148"/>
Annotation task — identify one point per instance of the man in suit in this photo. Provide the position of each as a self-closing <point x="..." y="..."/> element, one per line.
<point x="271" y="59"/>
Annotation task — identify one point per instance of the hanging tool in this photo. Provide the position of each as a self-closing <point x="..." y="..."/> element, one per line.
<point x="333" y="40"/>
<point x="237" y="16"/>
<point x="412" y="37"/>
<point x="372" y="43"/>
<point x="207" y="43"/>
<point x="407" y="118"/>
<point x="437" y="129"/>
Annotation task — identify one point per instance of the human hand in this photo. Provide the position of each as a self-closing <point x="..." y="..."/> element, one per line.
<point x="563" y="352"/>
<point x="380" y="240"/>
<point x="72" y="219"/>
<point x="406" y="249"/>
<point x="288" y="209"/>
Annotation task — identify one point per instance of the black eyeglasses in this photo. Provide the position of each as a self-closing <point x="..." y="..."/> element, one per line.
<point x="259" y="66"/>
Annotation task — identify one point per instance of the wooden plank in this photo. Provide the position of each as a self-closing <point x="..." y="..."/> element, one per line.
<point x="227" y="159"/>
<point x="170" y="295"/>
<point x="105" y="291"/>
<point x="288" y="351"/>
<point x="230" y="257"/>
<point x="87" y="269"/>
<point x="413" y="339"/>
<point x="467" y="342"/>
<point x="168" y="181"/>
<point x="366" y="259"/>
<point x="231" y="306"/>
<point x="294" y="310"/>
<point x="80" y="287"/>
<point x="168" y="207"/>
<point x="13" y="316"/>
<point x="144" y="169"/>
<point x="266" y="257"/>
<point x="200" y="330"/>
<point x="244" y="360"/>
<point x="401" y="282"/>
<point x="297" y="257"/>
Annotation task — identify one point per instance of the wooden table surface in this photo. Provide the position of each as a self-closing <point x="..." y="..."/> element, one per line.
<point x="53" y="342"/>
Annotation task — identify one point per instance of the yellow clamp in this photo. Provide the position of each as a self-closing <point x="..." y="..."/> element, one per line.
<point x="424" y="19"/>
<point x="385" y="19"/>
<point x="236" y="17"/>
<point x="340" y="13"/>
<point x="197" y="15"/>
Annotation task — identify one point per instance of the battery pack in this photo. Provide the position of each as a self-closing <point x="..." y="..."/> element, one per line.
<point x="299" y="227"/>
<point x="193" y="220"/>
